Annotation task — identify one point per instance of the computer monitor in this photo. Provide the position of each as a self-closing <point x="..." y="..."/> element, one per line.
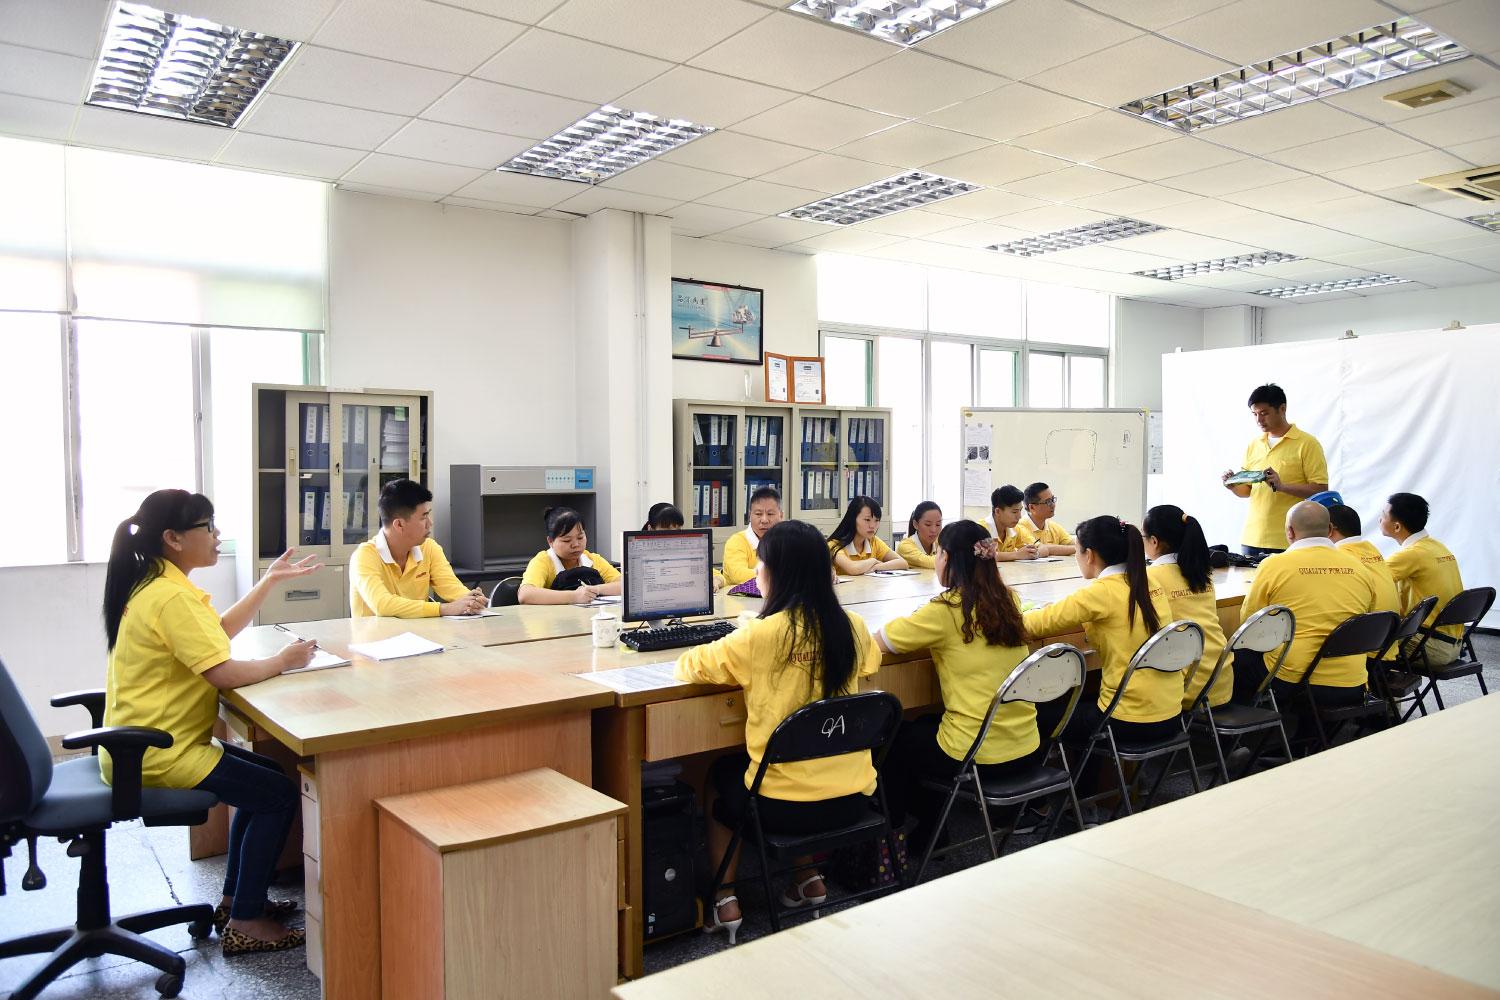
<point x="668" y="574"/>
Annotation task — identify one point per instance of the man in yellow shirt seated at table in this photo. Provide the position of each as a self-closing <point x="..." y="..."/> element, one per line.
<point x="1422" y="566"/>
<point x="1039" y="526"/>
<point x="391" y="574"/>
<point x="1005" y="514"/>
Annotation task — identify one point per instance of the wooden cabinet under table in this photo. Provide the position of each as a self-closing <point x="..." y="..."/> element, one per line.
<point x="500" y="888"/>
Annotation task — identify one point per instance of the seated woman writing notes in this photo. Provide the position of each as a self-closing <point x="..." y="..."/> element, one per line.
<point x="920" y="544"/>
<point x="804" y="647"/>
<point x="855" y="547"/>
<point x="565" y="572"/>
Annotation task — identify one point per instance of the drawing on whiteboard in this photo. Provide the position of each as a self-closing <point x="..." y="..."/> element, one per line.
<point x="1071" y="448"/>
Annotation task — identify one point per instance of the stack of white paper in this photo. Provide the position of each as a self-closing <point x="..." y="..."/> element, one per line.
<point x="321" y="660"/>
<point x="645" y="677"/>
<point x="397" y="646"/>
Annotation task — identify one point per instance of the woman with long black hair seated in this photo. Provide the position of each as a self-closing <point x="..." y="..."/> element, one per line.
<point x="854" y="546"/>
<point x="168" y="660"/>
<point x="1179" y="565"/>
<point x="976" y="636"/>
<point x="804" y="647"/>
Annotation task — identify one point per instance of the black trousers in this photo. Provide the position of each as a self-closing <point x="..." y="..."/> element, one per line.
<point x="1250" y="673"/>
<point x="727" y="776"/>
<point x="916" y="756"/>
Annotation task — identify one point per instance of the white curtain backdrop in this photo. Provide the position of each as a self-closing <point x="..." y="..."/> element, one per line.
<point x="1400" y="412"/>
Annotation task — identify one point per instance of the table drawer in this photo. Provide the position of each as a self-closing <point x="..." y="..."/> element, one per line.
<point x="693" y="725"/>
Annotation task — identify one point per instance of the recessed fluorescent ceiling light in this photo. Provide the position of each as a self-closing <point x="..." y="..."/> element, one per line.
<point x="900" y="21"/>
<point x="176" y="66"/>
<point x="602" y="144"/>
<point x="913" y="189"/>
<point x="1079" y="236"/>
<point x="1342" y="285"/>
<point x="1490" y="222"/>
<point x="1217" y="266"/>
<point x="1353" y="60"/>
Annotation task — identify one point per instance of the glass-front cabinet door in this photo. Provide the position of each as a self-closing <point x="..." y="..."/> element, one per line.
<point x="310" y="516"/>
<point x="819" y="440"/>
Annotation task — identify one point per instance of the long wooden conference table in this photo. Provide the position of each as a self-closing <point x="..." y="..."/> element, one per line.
<point x="507" y="694"/>
<point x="1368" y="870"/>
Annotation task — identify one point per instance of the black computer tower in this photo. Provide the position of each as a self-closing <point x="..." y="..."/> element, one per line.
<point x="668" y="841"/>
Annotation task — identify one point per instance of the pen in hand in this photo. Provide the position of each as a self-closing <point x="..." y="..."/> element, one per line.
<point x="294" y="635"/>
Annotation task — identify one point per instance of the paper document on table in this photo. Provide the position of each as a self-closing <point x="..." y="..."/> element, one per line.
<point x="893" y="572"/>
<point x="1048" y="559"/>
<point x="602" y="600"/>
<point x="646" y="677"/>
<point x="396" y="647"/>
<point x="322" y="659"/>
<point x="486" y="613"/>
<point x="977" y="486"/>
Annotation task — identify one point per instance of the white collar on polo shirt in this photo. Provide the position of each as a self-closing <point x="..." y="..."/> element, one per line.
<point x="1034" y="525"/>
<point x="1415" y="536"/>
<point x="1322" y="542"/>
<point x="1351" y="540"/>
<point x="384" y="548"/>
<point x="856" y="553"/>
<point x="557" y="564"/>
<point x="1165" y="559"/>
<point x="1118" y="569"/>
<point x="752" y="538"/>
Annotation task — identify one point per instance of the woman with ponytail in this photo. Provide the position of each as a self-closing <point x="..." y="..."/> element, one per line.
<point x="168" y="660"/>
<point x="804" y="647"/>
<point x="1179" y="565"/>
<point x="919" y="547"/>
<point x="975" y="634"/>
<point x="1120" y="610"/>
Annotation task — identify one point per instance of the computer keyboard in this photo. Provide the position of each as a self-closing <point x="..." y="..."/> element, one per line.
<point x="645" y="640"/>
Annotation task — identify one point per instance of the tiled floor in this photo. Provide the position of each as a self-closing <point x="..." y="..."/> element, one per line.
<point x="150" y="869"/>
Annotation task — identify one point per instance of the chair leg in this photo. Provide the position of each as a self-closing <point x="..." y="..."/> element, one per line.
<point x="1193" y="770"/>
<point x="140" y="923"/>
<point x="1437" y="693"/>
<point x="938" y="829"/>
<point x="1114" y="754"/>
<point x="772" y="906"/>
<point x="1480" y="678"/>
<point x="1219" y="750"/>
<point x="984" y="814"/>
<point x="1160" y="777"/>
<point x="80" y="945"/>
<point x="35" y="944"/>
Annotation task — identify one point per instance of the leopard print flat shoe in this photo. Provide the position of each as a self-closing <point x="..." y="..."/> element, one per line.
<point x="280" y="909"/>
<point x="237" y="942"/>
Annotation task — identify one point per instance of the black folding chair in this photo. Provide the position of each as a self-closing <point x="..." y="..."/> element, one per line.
<point x="1269" y="628"/>
<point x="1394" y="680"/>
<point x="1467" y="608"/>
<point x="1172" y="650"/>
<point x="504" y="593"/>
<point x="1044" y="676"/>
<point x="856" y="723"/>
<point x="1361" y="635"/>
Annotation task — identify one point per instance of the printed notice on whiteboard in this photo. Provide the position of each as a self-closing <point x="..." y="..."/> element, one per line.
<point x="976" y="486"/>
<point x="978" y="439"/>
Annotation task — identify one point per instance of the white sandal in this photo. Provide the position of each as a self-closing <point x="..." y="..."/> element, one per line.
<point x="732" y="927"/>
<point x="803" y="899"/>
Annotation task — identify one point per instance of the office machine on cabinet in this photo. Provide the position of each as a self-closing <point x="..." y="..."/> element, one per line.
<point x="321" y="457"/>
<point x="496" y="521"/>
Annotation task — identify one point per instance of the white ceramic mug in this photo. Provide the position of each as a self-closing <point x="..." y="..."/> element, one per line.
<point x="606" y="630"/>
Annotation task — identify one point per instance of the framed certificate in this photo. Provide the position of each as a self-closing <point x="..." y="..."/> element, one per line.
<point x="794" y="380"/>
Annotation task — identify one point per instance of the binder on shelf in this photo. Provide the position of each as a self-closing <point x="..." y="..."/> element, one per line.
<point x="325" y="516"/>
<point x="699" y="457"/>
<point x="357" y="515"/>
<point x="359" y="448"/>
<point x="762" y="434"/>
<point x="324" y="418"/>
<point x="309" y="446"/>
<point x="309" y="533"/>
<point x="879" y="453"/>
<point x="857" y="434"/>
<point x="773" y="444"/>
<point x="726" y="511"/>
<point x="806" y="439"/>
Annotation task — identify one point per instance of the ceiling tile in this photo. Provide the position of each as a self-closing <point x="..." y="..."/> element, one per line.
<point x="1069" y="184"/>
<point x="791" y="50"/>
<point x="1288" y="194"/>
<point x="1143" y="65"/>
<point x="986" y="204"/>
<point x="1349" y="150"/>
<point x="1128" y="201"/>
<point x="1481" y="80"/>
<point x="148" y="134"/>
<point x="701" y="220"/>
<point x="418" y="32"/>
<point x="910" y="84"/>
<point x="519" y="189"/>
<point x="489" y="206"/>
<point x="296" y="19"/>
<point x="762" y="197"/>
<point x="38" y="119"/>
<point x="1186" y="246"/>
<point x="313" y="121"/>
<point x="1471" y="23"/>
<point x="386" y="192"/>
<point x="385" y="170"/>
<point x="360" y="81"/>
<point x="1401" y="170"/>
<point x="815" y="123"/>
<point x="848" y="241"/>
<point x="829" y="173"/>
<point x="597" y="198"/>
<point x="73" y="27"/>
<point x="288" y="156"/>
<point x="1012" y="110"/>
<point x="670" y="180"/>
<point x="465" y="147"/>
<point x="977" y="235"/>
<point x="676" y="30"/>
<point x="525" y="11"/>
<point x="495" y="107"/>
<point x="1168" y="159"/>
<point x="1051" y="219"/>
<point x="1092" y="138"/>
<point x="1111" y="257"/>
<point x="1200" y="215"/>
<point x="1432" y="199"/>
<point x="1023" y="37"/>
<point x="1153" y="14"/>
<point x="1295" y="126"/>
<point x="913" y="222"/>
<point x="1483" y="153"/>
<point x="912" y="145"/>
<point x="779" y="231"/>
<point x="1252" y="30"/>
<point x="732" y="153"/>
<point x="1465" y="123"/>
<point x="49" y="76"/>
<point x="570" y="67"/>
<point x="1241" y="175"/>
<point x="702" y="97"/>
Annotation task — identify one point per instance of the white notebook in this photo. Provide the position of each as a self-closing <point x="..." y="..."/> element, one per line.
<point x="396" y="647"/>
<point x="322" y="659"/>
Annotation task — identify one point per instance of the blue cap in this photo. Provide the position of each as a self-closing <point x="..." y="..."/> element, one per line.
<point x="1327" y="498"/>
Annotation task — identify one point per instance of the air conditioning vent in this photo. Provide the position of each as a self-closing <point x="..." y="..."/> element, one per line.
<point x="1477" y="184"/>
<point x="1432" y="93"/>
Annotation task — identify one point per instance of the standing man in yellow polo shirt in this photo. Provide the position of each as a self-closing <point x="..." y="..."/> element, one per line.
<point x="391" y="573"/>
<point x="1294" y="466"/>
<point x="1422" y="566"/>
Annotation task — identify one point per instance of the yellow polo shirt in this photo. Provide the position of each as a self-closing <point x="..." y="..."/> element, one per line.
<point x="916" y="557"/>
<point x="377" y="586"/>
<point x="969" y="674"/>
<point x="874" y="549"/>
<point x="1386" y="598"/>
<point x="753" y="658"/>
<point x="1423" y="567"/>
<point x="1324" y="588"/>
<point x="545" y="567"/>
<point x="1101" y="609"/>
<point x="1011" y="541"/>
<point x="1203" y="609"/>
<point x="1050" y="533"/>
<point x="740" y="558"/>
<point x="1297" y="458"/>
<point x="170" y="634"/>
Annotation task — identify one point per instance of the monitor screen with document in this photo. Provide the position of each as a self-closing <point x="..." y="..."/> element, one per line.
<point x="668" y="574"/>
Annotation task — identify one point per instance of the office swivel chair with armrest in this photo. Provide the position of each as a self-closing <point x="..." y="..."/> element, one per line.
<point x="71" y="802"/>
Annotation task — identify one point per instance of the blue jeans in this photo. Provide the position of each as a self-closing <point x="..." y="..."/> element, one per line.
<point x="265" y="802"/>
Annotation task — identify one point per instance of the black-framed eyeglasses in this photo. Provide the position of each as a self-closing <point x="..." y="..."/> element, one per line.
<point x="209" y="524"/>
<point x="1049" y="502"/>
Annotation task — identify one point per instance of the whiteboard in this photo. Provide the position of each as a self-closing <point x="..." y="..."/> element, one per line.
<point x="1094" y="460"/>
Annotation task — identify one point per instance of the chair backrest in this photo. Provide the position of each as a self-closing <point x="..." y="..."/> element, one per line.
<point x="505" y="593"/>
<point x="1413" y="621"/>
<point x="1272" y="627"/>
<point x="1045" y="675"/>
<point x="834" y="726"/>
<point x="1467" y="607"/>
<point x="1174" y="648"/>
<point x="1365" y="634"/>
<point x="25" y="758"/>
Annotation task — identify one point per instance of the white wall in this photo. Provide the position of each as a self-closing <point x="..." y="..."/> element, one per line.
<point x="790" y="281"/>
<point x="476" y="306"/>
<point x="1144" y="331"/>
<point x="1388" y="312"/>
<point x="1230" y="326"/>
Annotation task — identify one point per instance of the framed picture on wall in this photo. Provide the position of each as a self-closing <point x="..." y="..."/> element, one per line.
<point x="716" y="322"/>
